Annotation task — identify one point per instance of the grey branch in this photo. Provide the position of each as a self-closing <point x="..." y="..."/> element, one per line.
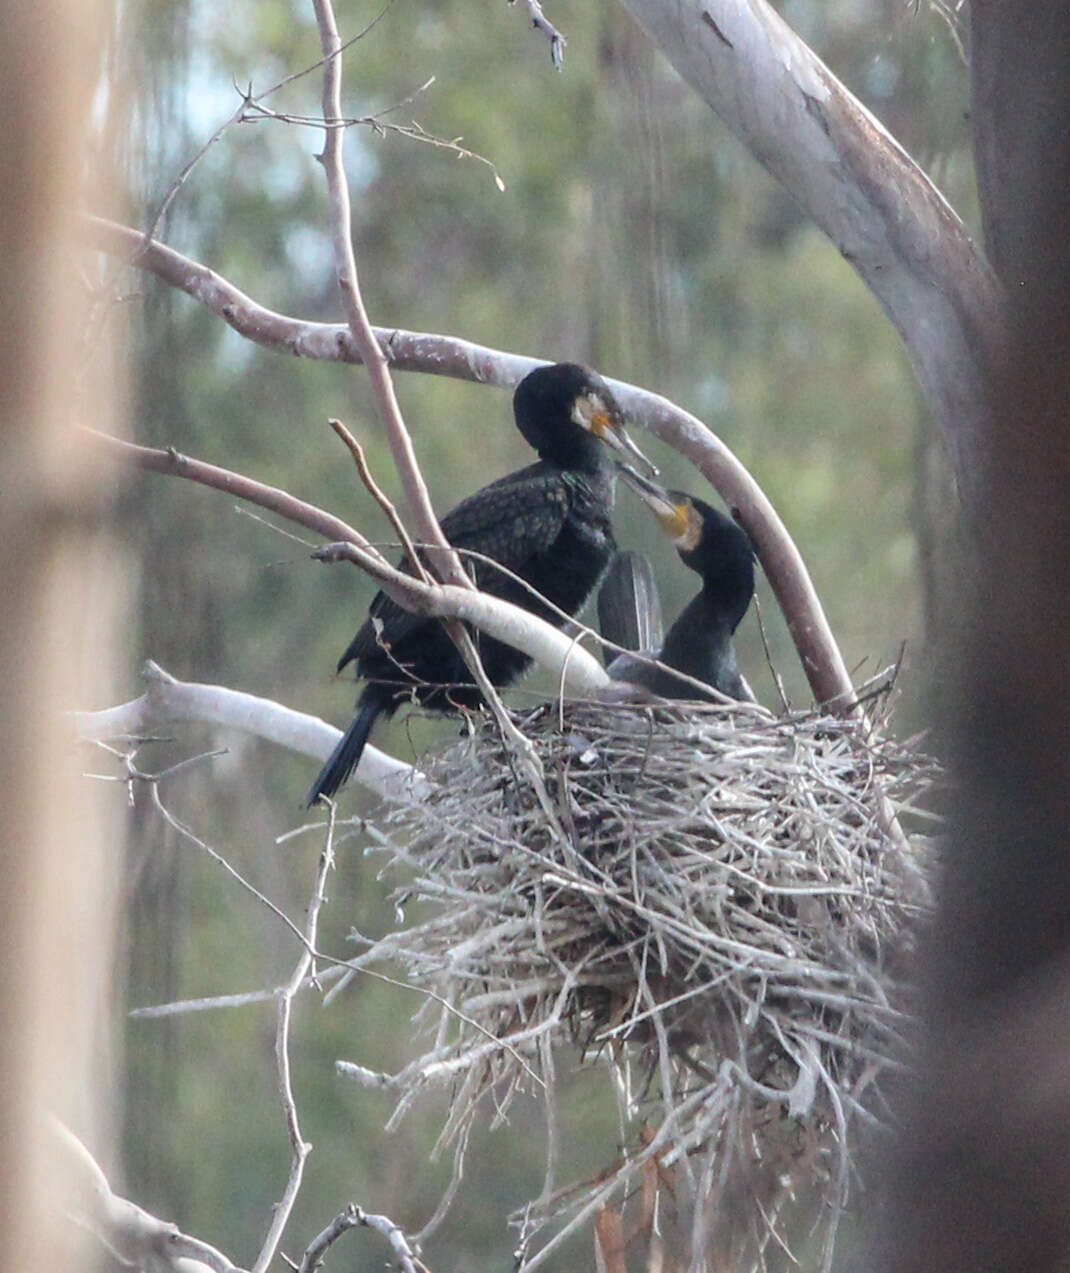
<point x="353" y="1217"/>
<point x="168" y="701"/>
<point x="542" y="23"/>
<point x="464" y="360"/>
<point x="581" y="673"/>
<point x="364" y="337"/>
<point x="134" y="1236"/>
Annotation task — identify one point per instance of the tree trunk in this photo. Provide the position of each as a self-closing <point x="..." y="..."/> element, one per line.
<point x="983" y="1178"/>
<point x="54" y="881"/>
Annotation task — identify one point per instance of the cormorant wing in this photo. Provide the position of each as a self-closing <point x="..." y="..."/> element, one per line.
<point x="511" y="521"/>
<point x="629" y="606"/>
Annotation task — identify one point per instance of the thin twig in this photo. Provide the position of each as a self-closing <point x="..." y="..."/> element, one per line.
<point x="305" y="965"/>
<point x="380" y="496"/>
<point x="248" y="103"/>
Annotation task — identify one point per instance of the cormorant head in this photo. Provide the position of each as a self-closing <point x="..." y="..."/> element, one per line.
<point x="708" y="542"/>
<point x="563" y="408"/>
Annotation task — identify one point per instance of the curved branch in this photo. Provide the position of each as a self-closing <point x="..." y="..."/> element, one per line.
<point x="581" y="673"/>
<point x="133" y="1236"/>
<point x="167" y="700"/>
<point x="464" y="360"/>
<point x="861" y="188"/>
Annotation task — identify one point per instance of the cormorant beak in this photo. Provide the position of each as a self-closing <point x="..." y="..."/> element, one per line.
<point x="604" y="420"/>
<point x="673" y="510"/>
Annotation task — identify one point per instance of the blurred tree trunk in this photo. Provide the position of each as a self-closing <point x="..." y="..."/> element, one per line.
<point x="983" y="1179"/>
<point x="54" y="879"/>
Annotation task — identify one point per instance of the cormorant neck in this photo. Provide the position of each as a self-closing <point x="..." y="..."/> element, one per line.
<point x="576" y="449"/>
<point x="696" y="643"/>
<point x="725" y="600"/>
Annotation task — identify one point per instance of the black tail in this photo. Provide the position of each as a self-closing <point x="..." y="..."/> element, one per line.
<point x="345" y="757"/>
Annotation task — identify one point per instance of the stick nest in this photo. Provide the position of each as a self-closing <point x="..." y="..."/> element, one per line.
<point x="708" y="897"/>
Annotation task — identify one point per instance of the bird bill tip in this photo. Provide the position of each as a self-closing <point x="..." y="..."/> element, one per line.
<point x="612" y="431"/>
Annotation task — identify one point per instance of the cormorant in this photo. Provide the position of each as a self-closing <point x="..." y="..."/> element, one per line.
<point x="699" y="643"/>
<point x="548" y="523"/>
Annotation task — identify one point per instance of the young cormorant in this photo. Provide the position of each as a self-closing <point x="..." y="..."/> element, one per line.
<point x="548" y="523"/>
<point x="699" y="643"/>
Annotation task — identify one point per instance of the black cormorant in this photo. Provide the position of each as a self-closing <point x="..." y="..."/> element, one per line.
<point x="699" y="643"/>
<point x="548" y="523"/>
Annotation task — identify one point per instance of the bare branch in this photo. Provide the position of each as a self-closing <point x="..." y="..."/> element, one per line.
<point x="168" y="701"/>
<point x="548" y="646"/>
<point x="518" y="627"/>
<point x="245" y="999"/>
<point x="464" y="360"/>
<point x="134" y="1236"/>
<point x="542" y="23"/>
<point x="352" y="1217"/>
<point x="379" y="495"/>
<point x="413" y="130"/>
<point x="364" y="338"/>
<point x="301" y="1148"/>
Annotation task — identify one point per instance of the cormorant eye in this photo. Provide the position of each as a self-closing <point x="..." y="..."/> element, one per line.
<point x="590" y="412"/>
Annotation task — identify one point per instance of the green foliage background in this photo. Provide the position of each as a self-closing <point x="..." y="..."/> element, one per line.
<point x="633" y="233"/>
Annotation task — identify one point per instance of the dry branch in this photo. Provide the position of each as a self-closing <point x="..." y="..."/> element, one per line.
<point x="862" y="189"/>
<point x="443" y="557"/>
<point x="168" y="701"/>
<point x="134" y="1236"/>
<point x="553" y="649"/>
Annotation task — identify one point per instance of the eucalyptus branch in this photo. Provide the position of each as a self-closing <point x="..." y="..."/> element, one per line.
<point x="134" y="1236"/>
<point x="168" y="701"/>
<point x="550" y="647"/>
<point x="364" y="338"/>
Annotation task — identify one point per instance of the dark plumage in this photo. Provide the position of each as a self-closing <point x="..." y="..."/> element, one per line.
<point x="548" y="523"/>
<point x="699" y="643"/>
<point x="629" y="607"/>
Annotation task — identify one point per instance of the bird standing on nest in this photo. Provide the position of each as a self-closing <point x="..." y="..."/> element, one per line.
<point x="699" y="643"/>
<point x="548" y="524"/>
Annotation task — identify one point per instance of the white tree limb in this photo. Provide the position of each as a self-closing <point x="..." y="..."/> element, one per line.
<point x="134" y="1236"/>
<point x="168" y="701"/>
<point x="861" y="188"/>
<point x="583" y="676"/>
